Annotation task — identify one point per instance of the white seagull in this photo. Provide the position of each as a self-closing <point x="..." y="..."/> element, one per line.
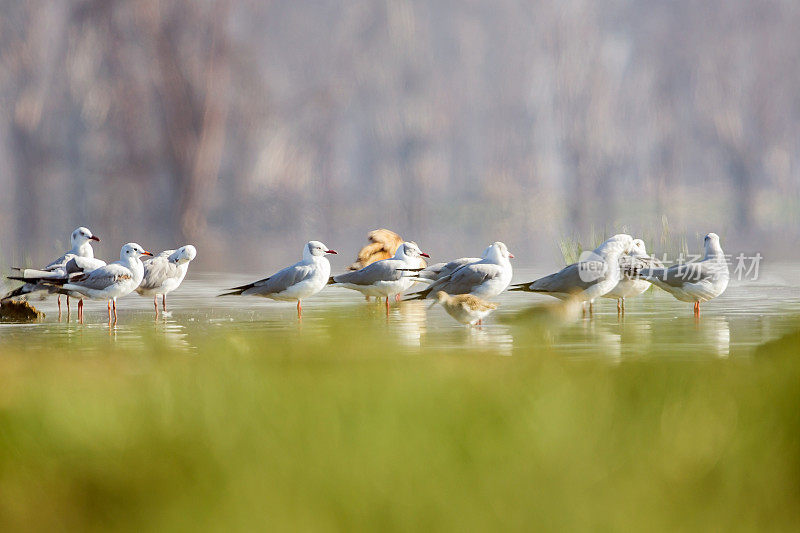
<point x="297" y="282"/>
<point x="597" y="273"/>
<point x="630" y="285"/>
<point x="164" y="273"/>
<point x="386" y="277"/>
<point x="79" y="258"/>
<point x="485" y="278"/>
<point x="107" y="282"/>
<point x="696" y="282"/>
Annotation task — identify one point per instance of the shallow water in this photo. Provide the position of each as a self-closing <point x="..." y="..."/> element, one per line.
<point x="654" y="324"/>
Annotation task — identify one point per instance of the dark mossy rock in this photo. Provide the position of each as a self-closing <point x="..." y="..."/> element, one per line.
<point x="19" y="311"/>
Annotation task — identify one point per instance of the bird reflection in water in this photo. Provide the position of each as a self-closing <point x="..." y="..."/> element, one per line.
<point x="408" y="321"/>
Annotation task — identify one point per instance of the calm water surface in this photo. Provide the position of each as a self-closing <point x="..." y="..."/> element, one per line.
<point x="748" y="314"/>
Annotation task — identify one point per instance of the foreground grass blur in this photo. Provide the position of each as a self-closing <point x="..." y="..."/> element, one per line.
<point x="342" y="431"/>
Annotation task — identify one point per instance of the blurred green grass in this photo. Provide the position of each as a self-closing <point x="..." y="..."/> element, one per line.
<point x="344" y="431"/>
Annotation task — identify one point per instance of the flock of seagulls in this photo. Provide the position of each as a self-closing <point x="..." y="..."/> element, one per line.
<point x="386" y="268"/>
<point x="78" y="274"/>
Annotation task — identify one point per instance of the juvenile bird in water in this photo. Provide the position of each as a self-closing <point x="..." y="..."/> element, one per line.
<point x="465" y="308"/>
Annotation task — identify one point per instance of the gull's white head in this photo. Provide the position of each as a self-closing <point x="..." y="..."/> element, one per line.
<point x="316" y="249"/>
<point x="620" y="243"/>
<point x="498" y="251"/>
<point x="182" y="255"/>
<point x="711" y="244"/>
<point x="409" y="249"/>
<point x="132" y="251"/>
<point x="81" y="236"/>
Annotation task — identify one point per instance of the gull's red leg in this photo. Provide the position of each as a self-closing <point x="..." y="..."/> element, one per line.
<point x="59" y="307"/>
<point x="164" y="302"/>
<point x="155" y="303"/>
<point x="299" y="309"/>
<point x="80" y="310"/>
<point x="115" y="310"/>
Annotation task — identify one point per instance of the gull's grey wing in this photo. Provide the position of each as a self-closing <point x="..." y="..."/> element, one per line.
<point x="466" y="278"/>
<point x="568" y="280"/>
<point x="677" y="275"/>
<point x="386" y="270"/>
<point x="80" y="264"/>
<point x="158" y="270"/>
<point x="281" y="280"/>
<point x="102" y="277"/>
<point x="640" y="261"/>
<point x="60" y="262"/>
<point x="432" y="271"/>
<point x="456" y="264"/>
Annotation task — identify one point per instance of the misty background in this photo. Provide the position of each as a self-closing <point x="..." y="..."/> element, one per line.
<point x="250" y="127"/>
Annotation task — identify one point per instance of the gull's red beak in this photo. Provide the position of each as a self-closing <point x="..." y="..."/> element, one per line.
<point x="423" y="254"/>
<point x="94" y="238"/>
<point x="510" y="255"/>
<point x="146" y="253"/>
<point x="331" y="252"/>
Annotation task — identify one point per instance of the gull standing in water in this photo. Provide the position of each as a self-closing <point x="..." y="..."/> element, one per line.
<point x="485" y="278"/>
<point x="294" y="283"/>
<point x="590" y="278"/>
<point x="630" y="285"/>
<point x="695" y="282"/>
<point x="80" y="258"/>
<point x="164" y="273"/>
<point x="108" y="282"/>
<point x="386" y="277"/>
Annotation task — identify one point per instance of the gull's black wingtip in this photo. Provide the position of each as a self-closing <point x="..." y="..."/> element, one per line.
<point x="235" y="291"/>
<point x="415" y="296"/>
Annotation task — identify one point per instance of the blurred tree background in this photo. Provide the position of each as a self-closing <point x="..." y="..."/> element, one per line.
<point x="250" y="127"/>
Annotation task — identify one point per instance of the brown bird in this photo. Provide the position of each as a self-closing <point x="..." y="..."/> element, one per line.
<point x="465" y="308"/>
<point x="383" y="244"/>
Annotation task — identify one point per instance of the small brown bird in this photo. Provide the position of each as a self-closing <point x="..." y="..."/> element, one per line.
<point x="383" y="244"/>
<point x="465" y="308"/>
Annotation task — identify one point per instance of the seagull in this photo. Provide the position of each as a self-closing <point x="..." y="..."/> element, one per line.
<point x="695" y="282"/>
<point x="632" y="285"/>
<point x="84" y="261"/>
<point x="485" y="278"/>
<point x="107" y="282"/>
<point x="465" y="308"/>
<point x="440" y="270"/>
<point x="385" y="277"/>
<point x="597" y="273"/>
<point x="164" y="273"/>
<point x="297" y="282"/>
